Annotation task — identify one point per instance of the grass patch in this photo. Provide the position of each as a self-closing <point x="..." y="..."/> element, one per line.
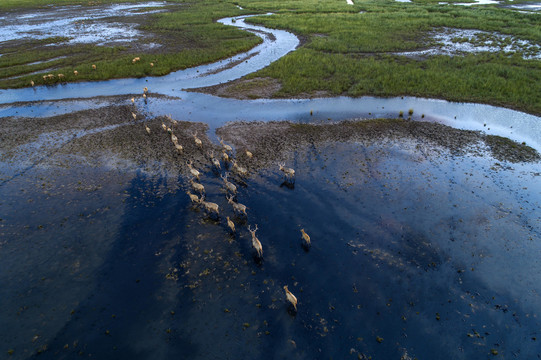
<point x="505" y="149"/>
<point x="354" y="57"/>
<point x="486" y="78"/>
<point x="188" y="34"/>
<point x="252" y="85"/>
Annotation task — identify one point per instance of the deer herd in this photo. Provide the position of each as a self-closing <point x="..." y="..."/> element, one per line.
<point x="198" y="197"/>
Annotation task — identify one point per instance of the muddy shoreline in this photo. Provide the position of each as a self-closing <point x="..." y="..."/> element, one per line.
<point x="267" y="88"/>
<point x="97" y="136"/>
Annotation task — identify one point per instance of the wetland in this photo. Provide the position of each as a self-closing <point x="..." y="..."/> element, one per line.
<point x="424" y="215"/>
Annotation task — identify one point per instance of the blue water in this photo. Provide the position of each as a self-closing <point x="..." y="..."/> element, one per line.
<point x="216" y="112"/>
<point x="415" y="248"/>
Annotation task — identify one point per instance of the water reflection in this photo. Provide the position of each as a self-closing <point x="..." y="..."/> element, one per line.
<point x="408" y="242"/>
<point x="452" y="42"/>
<point x="80" y="24"/>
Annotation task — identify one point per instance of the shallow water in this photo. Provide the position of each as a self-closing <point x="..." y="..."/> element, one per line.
<point x="80" y="24"/>
<point x="453" y="42"/>
<point x="276" y="43"/>
<point x="216" y="111"/>
<point x="527" y="6"/>
<point x="415" y="246"/>
<point x="524" y="6"/>
<point x="476" y="2"/>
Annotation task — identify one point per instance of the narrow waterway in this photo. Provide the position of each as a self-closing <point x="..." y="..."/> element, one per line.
<point x="276" y="43"/>
<point x="216" y="111"/>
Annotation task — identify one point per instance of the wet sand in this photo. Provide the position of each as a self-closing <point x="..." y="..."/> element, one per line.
<point x="97" y="136"/>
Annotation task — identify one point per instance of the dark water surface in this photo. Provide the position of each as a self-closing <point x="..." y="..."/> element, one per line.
<point x="436" y="255"/>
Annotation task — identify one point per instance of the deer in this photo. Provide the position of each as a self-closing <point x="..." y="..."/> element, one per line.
<point x="174" y="139"/>
<point x="256" y="244"/>
<point x="249" y="154"/>
<point x="194" y="198"/>
<point x="134" y="115"/>
<point x="225" y="157"/>
<point x="228" y="185"/>
<point x="288" y="172"/>
<point x="230" y="224"/>
<point x="225" y="146"/>
<point x="306" y="239"/>
<point x="147" y="129"/>
<point x="213" y="160"/>
<point x="197" y="140"/>
<point x="193" y="171"/>
<point x="239" y="169"/>
<point x="210" y="207"/>
<point x="238" y="208"/>
<point x="197" y="187"/>
<point x="291" y="298"/>
<point x="179" y="148"/>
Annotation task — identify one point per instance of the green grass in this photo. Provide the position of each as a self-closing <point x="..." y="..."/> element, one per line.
<point x="344" y="51"/>
<point x="350" y="54"/>
<point x="486" y="78"/>
<point x="189" y="36"/>
<point x="392" y="27"/>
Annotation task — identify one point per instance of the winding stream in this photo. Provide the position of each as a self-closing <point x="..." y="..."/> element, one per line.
<point x="276" y="43"/>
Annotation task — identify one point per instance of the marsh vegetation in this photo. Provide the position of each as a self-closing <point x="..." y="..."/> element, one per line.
<point x="348" y="50"/>
<point x="178" y="36"/>
<point x="355" y="54"/>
